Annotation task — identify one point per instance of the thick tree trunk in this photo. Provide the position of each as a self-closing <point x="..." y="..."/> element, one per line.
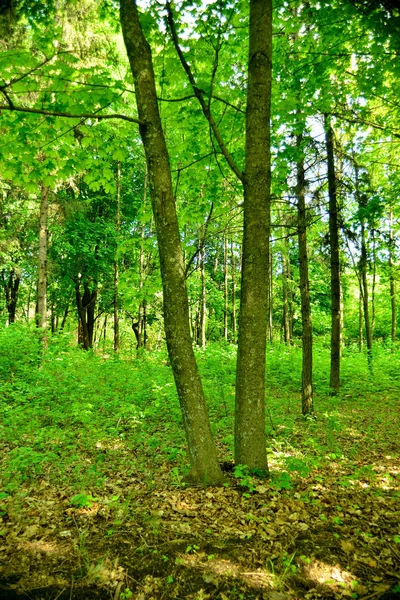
<point x="307" y="336"/>
<point x="335" y="261"/>
<point x="202" y="450"/>
<point x="392" y="281"/>
<point x="42" y="273"/>
<point x="250" y="440"/>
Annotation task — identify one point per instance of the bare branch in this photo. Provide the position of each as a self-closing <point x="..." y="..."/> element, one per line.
<point x="67" y="115"/>
<point x="200" y="95"/>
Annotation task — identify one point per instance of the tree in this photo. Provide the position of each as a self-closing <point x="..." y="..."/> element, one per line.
<point x="201" y="445"/>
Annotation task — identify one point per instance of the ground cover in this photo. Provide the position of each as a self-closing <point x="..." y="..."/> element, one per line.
<point x="94" y="502"/>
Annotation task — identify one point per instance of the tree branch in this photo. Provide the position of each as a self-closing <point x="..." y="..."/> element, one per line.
<point x="67" y="115"/>
<point x="199" y="95"/>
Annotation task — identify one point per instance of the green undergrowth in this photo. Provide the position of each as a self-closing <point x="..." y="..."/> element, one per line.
<point x="78" y="419"/>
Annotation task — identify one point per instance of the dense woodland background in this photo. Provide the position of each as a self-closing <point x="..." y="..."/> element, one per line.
<point x="95" y="446"/>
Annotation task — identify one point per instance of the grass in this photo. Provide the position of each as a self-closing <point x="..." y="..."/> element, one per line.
<point x="73" y="416"/>
<point x="92" y="454"/>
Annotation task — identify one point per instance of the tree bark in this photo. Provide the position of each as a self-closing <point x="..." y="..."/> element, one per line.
<point x="41" y="317"/>
<point x="392" y="281"/>
<point x="226" y="292"/>
<point x="307" y="336"/>
<point x="335" y="260"/>
<point x="362" y="203"/>
<point x="202" y="449"/>
<point x="11" y="287"/>
<point x="116" y="265"/>
<point x="233" y="276"/>
<point x="203" y="309"/>
<point x="250" y="439"/>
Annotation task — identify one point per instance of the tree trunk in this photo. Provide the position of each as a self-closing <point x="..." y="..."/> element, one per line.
<point x="141" y="323"/>
<point x="360" y="318"/>
<point x="335" y="261"/>
<point x="226" y="292"/>
<point x="307" y="336"/>
<point x="392" y="281"/>
<point x="203" y="308"/>
<point x="116" y="266"/>
<point x="11" y="286"/>
<point x="285" y="293"/>
<point x="233" y="276"/>
<point x="250" y="440"/>
<point x="270" y="327"/>
<point x="41" y="317"/>
<point x="86" y="305"/>
<point x="362" y="203"/>
<point x="202" y="449"/>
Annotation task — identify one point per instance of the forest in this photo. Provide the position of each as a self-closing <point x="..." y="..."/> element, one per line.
<point x="199" y="263"/>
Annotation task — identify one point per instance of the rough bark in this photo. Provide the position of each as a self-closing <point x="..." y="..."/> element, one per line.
<point x="335" y="260"/>
<point x="202" y="450"/>
<point x="307" y="336"/>
<point x="250" y="440"/>
<point x="41" y="313"/>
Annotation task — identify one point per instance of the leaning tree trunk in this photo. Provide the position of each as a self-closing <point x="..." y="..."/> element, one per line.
<point x="41" y="313"/>
<point x="335" y="261"/>
<point x="202" y="449"/>
<point x="250" y="440"/>
<point x="307" y="336"/>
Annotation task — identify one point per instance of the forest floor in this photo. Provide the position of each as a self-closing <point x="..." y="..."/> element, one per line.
<point x="93" y="502"/>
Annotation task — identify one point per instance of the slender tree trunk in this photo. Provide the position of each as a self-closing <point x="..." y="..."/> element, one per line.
<point x="203" y="309"/>
<point x="392" y="281"/>
<point x="335" y="261"/>
<point x="360" y="318"/>
<point x="250" y="440"/>
<point x="233" y="277"/>
<point x="373" y="281"/>
<point x="42" y="273"/>
<point x="202" y="449"/>
<point x="65" y="315"/>
<point x="270" y="327"/>
<point x="365" y="294"/>
<point x="362" y="202"/>
<point x="285" y="293"/>
<point x="307" y="336"/>
<point x="226" y="291"/>
<point x="11" y="286"/>
<point x="141" y="341"/>
<point x="116" y="266"/>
